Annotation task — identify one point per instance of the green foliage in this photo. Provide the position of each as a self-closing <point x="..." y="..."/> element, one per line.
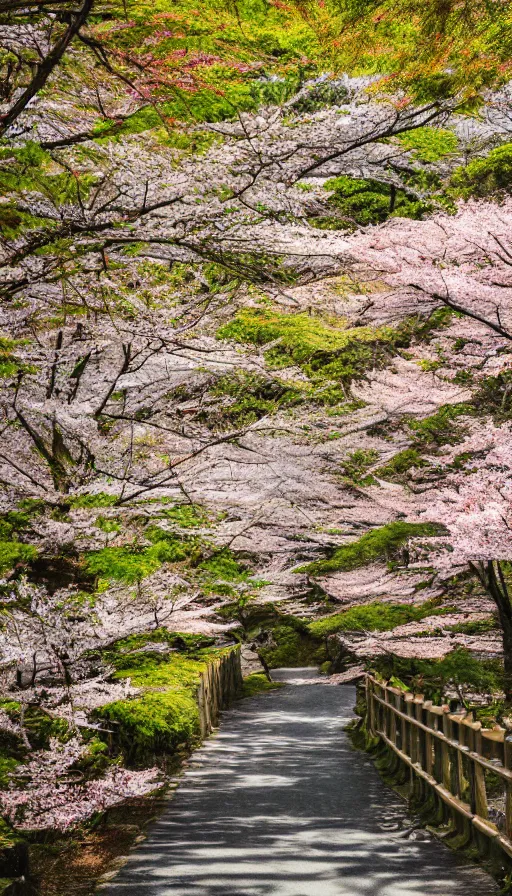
<point x="459" y="669"/>
<point x="383" y="543"/>
<point x="357" y="463"/>
<point x="440" y="428"/>
<point x="323" y="350"/>
<point x="374" y="617"/>
<point x="31" y="169"/>
<point x="257" y="682"/>
<point x="252" y="397"/>
<point x="494" y="396"/>
<point x="95" y="499"/>
<point x="396" y="469"/>
<point x="430" y="144"/>
<point x="227" y="56"/>
<point x="359" y="202"/>
<point x="14" y="553"/>
<point x="490" y="176"/>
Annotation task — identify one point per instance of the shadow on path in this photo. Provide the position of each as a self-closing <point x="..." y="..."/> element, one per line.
<point x="279" y="804"/>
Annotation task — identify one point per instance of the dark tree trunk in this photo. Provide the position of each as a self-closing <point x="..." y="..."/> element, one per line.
<point x="491" y="576"/>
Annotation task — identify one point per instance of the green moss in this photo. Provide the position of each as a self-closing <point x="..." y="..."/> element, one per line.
<point x="96" y="499"/>
<point x="374" y="617"/>
<point x="187" y="516"/>
<point x="430" y="144"/>
<point x="7" y="765"/>
<point x="494" y="396"/>
<point x="18" y="522"/>
<point x="132" y="564"/>
<point x="222" y="573"/>
<point x="383" y="543"/>
<point x="485" y="177"/>
<point x="175" y="640"/>
<point x="480" y="627"/>
<point x="166" y="717"/>
<point x="440" y="428"/>
<point x="399" y="465"/>
<point x="323" y="350"/>
<point x="284" y="639"/>
<point x="122" y="564"/>
<point x="8" y="837"/>
<point x="10" y="363"/>
<point x="252" y="397"/>
<point x="39" y="725"/>
<point x="108" y="525"/>
<point x="13" y="553"/>
<point x="357" y="463"/>
<point x="155" y="723"/>
<point x="257" y="682"/>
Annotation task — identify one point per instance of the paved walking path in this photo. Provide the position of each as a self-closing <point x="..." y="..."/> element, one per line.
<point x="279" y="804"/>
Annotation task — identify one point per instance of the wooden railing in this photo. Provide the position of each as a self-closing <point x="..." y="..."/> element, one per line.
<point x="469" y="767"/>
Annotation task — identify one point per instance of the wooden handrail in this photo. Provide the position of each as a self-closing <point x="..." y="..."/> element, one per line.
<point x="446" y="750"/>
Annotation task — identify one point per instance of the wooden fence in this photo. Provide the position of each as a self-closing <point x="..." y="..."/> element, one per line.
<point x="468" y="766"/>
<point x="220" y="683"/>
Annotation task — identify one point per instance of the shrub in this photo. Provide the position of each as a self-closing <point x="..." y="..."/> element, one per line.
<point x="485" y="177"/>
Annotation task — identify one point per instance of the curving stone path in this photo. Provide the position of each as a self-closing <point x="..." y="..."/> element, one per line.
<point x="279" y="804"/>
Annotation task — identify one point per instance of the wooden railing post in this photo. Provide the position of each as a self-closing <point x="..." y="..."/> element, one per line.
<point x="403" y="725"/>
<point x="429" y="754"/>
<point x="418" y="733"/>
<point x="508" y="792"/>
<point x="370" y="707"/>
<point x="460" y="775"/>
<point x="410" y="727"/>
<point x="479" y="793"/>
<point x="389" y="726"/>
<point x="445" y="750"/>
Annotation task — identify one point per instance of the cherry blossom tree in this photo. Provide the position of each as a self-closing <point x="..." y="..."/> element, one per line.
<point x="56" y="795"/>
<point x="462" y="261"/>
<point x="475" y="505"/>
